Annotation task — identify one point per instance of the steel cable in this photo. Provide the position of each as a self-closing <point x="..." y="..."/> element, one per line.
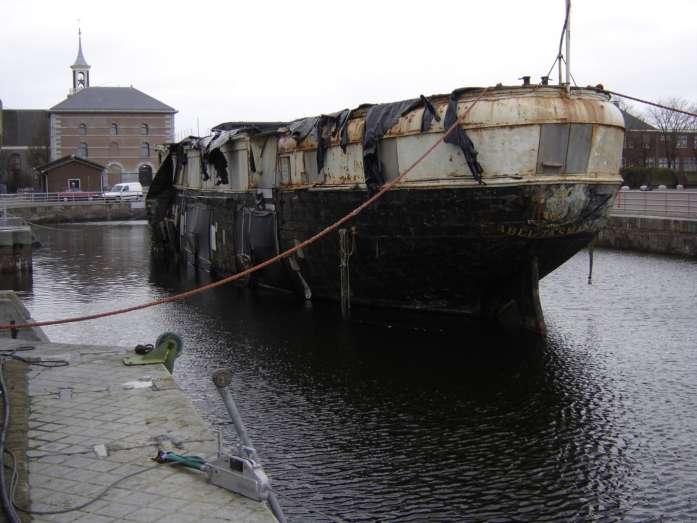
<point x="660" y="106"/>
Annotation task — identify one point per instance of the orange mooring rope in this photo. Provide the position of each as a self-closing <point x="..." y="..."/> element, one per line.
<point x="270" y="261"/>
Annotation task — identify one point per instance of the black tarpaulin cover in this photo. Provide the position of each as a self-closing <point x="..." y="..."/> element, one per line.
<point x="378" y="121"/>
<point x="459" y="137"/>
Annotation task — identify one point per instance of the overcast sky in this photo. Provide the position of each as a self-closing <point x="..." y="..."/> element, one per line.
<point x="279" y="60"/>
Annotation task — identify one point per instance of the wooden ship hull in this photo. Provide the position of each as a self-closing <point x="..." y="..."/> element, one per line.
<point x="471" y="229"/>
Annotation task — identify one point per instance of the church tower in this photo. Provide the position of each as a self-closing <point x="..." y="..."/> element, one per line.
<point x="81" y="70"/>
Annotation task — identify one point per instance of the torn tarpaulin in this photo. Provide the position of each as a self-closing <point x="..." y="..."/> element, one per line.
<point x="378" y="120"/>
<point x="202" y="146"/>
<point x="301" y="129"/>
<point x="342" y="128"/>
<point x="321" y="127"/>
<point x="217" y="158"/>
<point x="429" y="114"/>
<point x="458" y="137"/>
<point x="209" y="147"/>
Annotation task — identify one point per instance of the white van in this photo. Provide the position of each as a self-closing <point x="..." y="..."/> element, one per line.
<point x="125" y="191"/>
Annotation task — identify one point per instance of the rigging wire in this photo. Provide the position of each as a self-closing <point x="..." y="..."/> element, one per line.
<point x="660" y="106"/>
<point x="561" y="43"/>
<point x="570" y="74"/>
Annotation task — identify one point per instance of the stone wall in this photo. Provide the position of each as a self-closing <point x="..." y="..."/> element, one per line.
<point x="80" y="212"/>
<point x="650" y="234"/>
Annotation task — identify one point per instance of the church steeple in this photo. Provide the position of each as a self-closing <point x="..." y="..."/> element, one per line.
<point x="81" y="70"/>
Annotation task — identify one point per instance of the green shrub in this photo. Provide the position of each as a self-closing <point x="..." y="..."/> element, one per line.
<point x="635" y="177"/>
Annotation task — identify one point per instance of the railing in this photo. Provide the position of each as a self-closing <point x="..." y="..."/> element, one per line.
<point x="11" y="221"/>
<point x="61" y="198"/>
<point x="671" y="203"/>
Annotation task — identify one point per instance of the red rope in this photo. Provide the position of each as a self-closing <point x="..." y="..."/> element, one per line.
<point x="324" y="232"/>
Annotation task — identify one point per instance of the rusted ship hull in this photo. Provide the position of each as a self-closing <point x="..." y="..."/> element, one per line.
<point x="454" y="236"/>
<point x="478" y="251"/>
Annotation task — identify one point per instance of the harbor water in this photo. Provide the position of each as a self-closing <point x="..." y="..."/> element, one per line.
<point x="392" y="416"/>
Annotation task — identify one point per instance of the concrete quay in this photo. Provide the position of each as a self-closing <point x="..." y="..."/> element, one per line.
<point x="84" y="435"/>
<point x="655" y="234"/>
<point x="87" y="211"/>
<point x="662" y="221"/>
<point x="16" y="241"/>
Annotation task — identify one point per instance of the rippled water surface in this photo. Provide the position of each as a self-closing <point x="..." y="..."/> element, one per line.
<point x="416" y="417"/>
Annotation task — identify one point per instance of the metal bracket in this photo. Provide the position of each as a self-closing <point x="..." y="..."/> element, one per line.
<point x="240" y="475"/>
<point x="168" y="347"/>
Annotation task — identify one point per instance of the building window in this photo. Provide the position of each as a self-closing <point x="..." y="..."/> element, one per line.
<point x="629" y="143"/>
<point x="663" y="162"/>
<point x="82" y="129"/>
<point x="646" y="141"/>
<point x="15" y="162"/>
<point x="682" y="141"/>
<point x="74" y="184"/>
<point x="689" y="164"/>
<point x="113" y="149"/>
<point x="82" y="150"/>
<point x="145" y="150"/>
<point x="144" y="129"/>
<point x="114" y="129"/>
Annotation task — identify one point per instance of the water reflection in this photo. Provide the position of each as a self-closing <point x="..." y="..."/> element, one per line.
<point x="17" y="281"/>
<point x="406" y="417"/>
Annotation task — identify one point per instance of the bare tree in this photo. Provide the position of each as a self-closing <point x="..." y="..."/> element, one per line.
<point x="671" y="124"/>
<point x="37" y="155"/>
<point x="624" y="105"/>
<point x="4" y="160"/>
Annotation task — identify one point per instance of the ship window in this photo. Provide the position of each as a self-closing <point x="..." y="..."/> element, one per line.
<point x="554" y="139"/>
<point x="387" y="151"/>
<point x="284" y="170"/>
<point x="564" y="148"/>
<point x="311" y="176"/>
<point x="579" y="147"/>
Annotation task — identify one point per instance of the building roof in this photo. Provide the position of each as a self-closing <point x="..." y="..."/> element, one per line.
<point x="60" y="162"/>
<point x="632" y="123"/>
<point x="24" y="127"/>
<point x="80" y="62"/>
<point x="111" y="99"/>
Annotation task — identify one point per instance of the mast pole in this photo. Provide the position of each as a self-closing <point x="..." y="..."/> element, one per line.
<point x="568" y="46"/>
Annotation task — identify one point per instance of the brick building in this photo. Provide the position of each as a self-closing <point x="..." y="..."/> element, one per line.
<point x="647" y="146"/>
<point x="118" y="127"/>
<point x="23" y="146"/>
<point x="71" y="173"/>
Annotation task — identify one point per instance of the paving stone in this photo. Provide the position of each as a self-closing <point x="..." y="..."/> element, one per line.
<point x="148" y="514"/>
<point x="112" y="509"/>
<point x="95" y="518"/>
